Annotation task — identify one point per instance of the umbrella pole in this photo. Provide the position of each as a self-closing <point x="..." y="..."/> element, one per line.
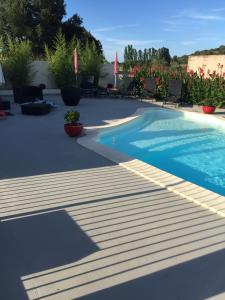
<point x="115" y="82"/>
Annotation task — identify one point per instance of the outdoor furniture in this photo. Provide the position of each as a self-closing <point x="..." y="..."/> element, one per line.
<point x="27" y="93"/>
<point x="128" y="90"/>
<point x="102" y="92"/>
<point x="150" y="88"/>
<point x="174" y="93"/>
<point x="87" y="88"/>
<point x="113" y="92"/>
<point x="5" y="104"/>
<point x="35" y="108"/>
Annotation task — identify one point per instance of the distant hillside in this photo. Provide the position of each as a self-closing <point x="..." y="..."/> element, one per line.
<point x="184" y="59"/>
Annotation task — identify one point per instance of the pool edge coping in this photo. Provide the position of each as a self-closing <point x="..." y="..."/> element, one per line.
<point x="192" y="192"/>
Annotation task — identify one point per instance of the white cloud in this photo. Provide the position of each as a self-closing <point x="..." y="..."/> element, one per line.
<point x="174" y="22"/>
<point x="220" y="9"/>
<point x="172" y="30"/>
<point x="187" y="43"/>
<point x="112" y="28"/>
<point x="200" y="16"/>
<point x="124" y="42"/>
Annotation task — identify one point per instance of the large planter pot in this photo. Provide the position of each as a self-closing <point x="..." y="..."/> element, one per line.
<point x="73" y="130"/>
<point x="71" y="95"/>
<point x="208" y="109"/>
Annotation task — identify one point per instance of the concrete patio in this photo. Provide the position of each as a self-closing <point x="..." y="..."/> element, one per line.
<point x="74" y="225"/>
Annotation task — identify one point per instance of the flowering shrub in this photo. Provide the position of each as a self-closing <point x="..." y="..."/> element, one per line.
<point x="198" y="87"/>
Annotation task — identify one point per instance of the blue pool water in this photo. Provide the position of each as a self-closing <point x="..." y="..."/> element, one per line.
<point x="187" y="146"/>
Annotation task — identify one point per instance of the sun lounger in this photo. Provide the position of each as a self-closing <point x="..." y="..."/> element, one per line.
<point x="174" y="93"/>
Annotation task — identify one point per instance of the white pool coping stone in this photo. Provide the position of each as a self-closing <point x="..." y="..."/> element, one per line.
<point x="199" y="195"/>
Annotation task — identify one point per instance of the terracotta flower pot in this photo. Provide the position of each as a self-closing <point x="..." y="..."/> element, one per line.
<point x="208" y="109"/>
<point x="73" y="130"/>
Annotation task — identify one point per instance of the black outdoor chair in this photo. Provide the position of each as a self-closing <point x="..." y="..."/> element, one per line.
<point x="174" y="93"/>
<point x="128" y="90"/>
<point x="87" y="88"/>
<point x="27" y="93"/>
<point x="102" y="91"/>
<point x="150" y="88"/>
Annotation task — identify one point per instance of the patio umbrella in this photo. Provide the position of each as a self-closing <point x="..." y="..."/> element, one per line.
<point x="115" y="68"/>
<point x="2" y="79"/>
<point x="75" y="61"/>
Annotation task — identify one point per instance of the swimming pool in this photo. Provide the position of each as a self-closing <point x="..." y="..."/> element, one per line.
<point x="188" y="145"/>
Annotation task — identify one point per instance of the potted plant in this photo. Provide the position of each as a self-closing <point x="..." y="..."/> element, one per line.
<point x="208" y="106"/>
<point x="60" y="62"/>
<point x="72" y="127"/>
<point x="17" y="66"/>
<point x="71" y="95"/>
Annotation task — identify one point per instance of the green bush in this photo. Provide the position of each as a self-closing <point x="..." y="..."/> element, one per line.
<point x="90" y="62"/>
<point x="60" y="61"/>
<point x="61" y="65"/>
<point x="72" y="117"/>
<point x="16" y="59"/>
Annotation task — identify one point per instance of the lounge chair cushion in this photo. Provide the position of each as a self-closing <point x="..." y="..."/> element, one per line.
<point x="35" y="108"/>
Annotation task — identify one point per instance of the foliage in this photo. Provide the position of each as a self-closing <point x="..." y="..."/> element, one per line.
<point x="72" y="117"/>
<point x="33" y="20"/>
<point x="38" y="21"/>
<point x="73" y="27"/>
<point x="60" y="61"/>
<point x="146" y="57"/>
<point x="16" y="59"/>
<point x="140" y="74"/>
<point x="90" y="61"/>
<point x="184" y="59"/>
<point x="197" y="87"/>
<point x="219" y="50"/>
<point x="61" y="65"/>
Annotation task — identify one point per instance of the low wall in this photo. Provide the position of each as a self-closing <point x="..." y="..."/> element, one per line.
<point x="42" y="75"/>
<point x="207" y="62"/>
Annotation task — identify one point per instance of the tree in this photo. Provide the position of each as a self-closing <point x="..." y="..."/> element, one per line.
<point x="33" y="20"/>
<point x="16" y="19"/>
<point x="47" y="19"/>
<point x="73" y="28"/>
<point x="164" y="54"/>
<point x="38" y="21"/>
<point x="146" y="56"/>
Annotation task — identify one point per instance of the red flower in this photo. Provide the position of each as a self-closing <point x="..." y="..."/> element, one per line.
<point x="135" y="69"/>
<point x="191" y="73"/>
<point x="157" y="79"/>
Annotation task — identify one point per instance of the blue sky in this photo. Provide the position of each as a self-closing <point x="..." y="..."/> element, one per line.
<point x="182" y="26"/>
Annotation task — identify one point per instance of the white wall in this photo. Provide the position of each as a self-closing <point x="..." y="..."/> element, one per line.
<point x="42" y="75"/>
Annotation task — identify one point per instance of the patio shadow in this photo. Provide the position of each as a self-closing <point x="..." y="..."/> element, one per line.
<point x="197" y="279"/>
<point x="37" y="243"/>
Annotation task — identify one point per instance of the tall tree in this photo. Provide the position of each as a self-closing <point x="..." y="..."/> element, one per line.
<point x="73" y="28"/>
<point x="33" y="20"/>
<point x="47" y="19"/>
<point x="16" y="19"/>
<point x="39" y="21"/>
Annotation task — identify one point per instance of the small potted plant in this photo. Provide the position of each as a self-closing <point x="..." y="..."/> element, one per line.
<point x="208" y="105"/>
<point x="72" y="127"/>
